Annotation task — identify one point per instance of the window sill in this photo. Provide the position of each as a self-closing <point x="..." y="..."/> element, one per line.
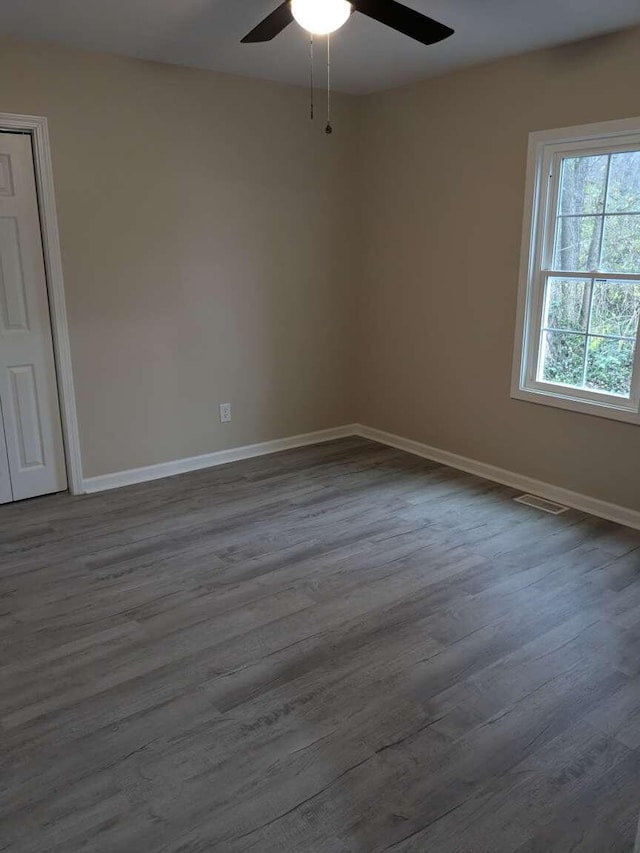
<point x="573" y="404"/>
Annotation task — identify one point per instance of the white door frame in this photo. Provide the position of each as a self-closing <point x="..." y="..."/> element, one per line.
<point x="36" y="126"/>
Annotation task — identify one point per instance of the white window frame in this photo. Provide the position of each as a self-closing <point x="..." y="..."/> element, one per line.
<point x="546" y="149"/>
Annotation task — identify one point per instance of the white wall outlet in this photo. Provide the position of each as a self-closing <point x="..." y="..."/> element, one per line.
<point x="225" y="413"/>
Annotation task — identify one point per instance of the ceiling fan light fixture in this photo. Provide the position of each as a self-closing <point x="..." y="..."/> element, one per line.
<point x="321" y="17"/>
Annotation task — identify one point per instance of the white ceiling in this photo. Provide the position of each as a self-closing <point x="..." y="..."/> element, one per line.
<point x="366" y="56"/>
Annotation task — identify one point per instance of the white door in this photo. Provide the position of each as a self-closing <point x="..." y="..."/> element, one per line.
<point x="28" y="391"/>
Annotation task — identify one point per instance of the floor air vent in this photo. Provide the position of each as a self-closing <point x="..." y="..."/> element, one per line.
<point x="541" y="503"/>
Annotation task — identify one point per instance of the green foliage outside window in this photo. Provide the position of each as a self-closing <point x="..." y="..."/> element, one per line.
<point x="590" y="324"/>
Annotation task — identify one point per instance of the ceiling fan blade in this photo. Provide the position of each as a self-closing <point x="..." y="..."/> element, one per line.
<point x="403" y="19"/>
<point x="272" y="25"/>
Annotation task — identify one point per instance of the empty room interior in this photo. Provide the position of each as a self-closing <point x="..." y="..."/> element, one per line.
<point x="319" y="426"/>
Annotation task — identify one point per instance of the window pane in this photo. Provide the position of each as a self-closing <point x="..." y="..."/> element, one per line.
<point x="567" y="304"/>
<point x="582" y="186"/>
<point x="616" y="308"/>
<point x="609" y="365"/>
<point x="563" y="358"/>
<point x="624" y="183"/>
<point x="621" y="244"/>
<point x="578" y="243"/>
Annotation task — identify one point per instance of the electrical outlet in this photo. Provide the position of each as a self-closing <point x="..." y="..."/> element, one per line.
<point x="225" y="413"/>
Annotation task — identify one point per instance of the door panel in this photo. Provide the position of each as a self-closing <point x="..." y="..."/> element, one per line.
<point x="6" y="492"/>
<point x="28" y="389"/>
<point x="25" y="409"/>
<point x="6" y="176"/>
<point x="13" y="302"/>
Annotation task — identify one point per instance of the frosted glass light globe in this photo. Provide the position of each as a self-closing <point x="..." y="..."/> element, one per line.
<point x="321" y="17"/>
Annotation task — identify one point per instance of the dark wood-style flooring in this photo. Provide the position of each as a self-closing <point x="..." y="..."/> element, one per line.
<point x="334" y="649"/>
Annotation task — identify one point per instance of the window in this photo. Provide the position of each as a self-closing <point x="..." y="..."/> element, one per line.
<point x="579" y="302"/>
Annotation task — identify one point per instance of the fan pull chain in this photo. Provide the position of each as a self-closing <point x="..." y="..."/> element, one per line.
<point x="328" y="128"/>
<point x="311" y="74"/>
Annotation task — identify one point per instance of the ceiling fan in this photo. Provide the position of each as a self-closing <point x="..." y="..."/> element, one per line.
<point x="321" y="17"/>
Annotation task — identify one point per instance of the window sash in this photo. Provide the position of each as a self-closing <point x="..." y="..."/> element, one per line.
<point x="598" y="215"/>
<point x="534" y="348"/>
<point x="541" y="254"/>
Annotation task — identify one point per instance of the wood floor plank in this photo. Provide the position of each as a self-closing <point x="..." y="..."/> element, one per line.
<point x="335" y="649"/>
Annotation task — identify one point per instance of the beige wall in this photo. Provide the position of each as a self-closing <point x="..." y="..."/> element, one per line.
<point x="215" y="243"/>
<point x="442" y="205"/>
<point x="205" y="232"/>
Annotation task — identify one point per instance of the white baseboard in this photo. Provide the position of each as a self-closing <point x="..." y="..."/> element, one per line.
<point x="210" y="460"/>
<point x="585" y="503"/>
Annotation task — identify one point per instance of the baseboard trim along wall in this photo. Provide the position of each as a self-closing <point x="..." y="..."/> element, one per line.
<point x="585" y="503"/>
<point x="210" y="460"/>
